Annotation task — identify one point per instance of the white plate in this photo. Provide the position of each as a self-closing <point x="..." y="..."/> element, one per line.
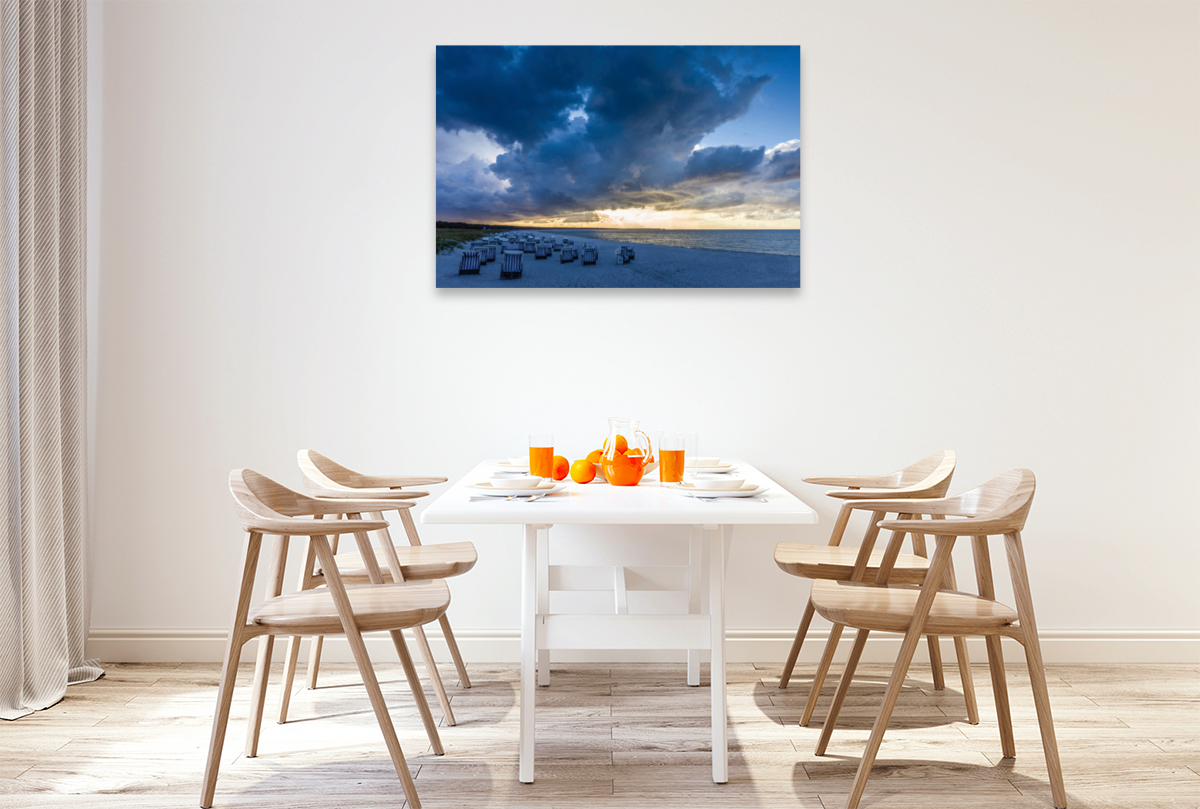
<point x="509" y="466"/>
<point x="498" y="489"/>
<point x="747" y="490"/>
<point x="709" y="470"/>
<point x="708" y="465"/>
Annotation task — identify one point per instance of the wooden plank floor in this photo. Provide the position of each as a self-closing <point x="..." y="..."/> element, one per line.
<point x="610" y="736"/>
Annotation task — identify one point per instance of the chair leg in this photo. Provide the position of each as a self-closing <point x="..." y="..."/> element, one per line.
<point x="935" y="648"/>
<point x="314" y="661"/>
<point x="835" y="634"/>
<point x="839" y="697"/>
<point x="289" y="676"/>
<point x="220" y="723"/>
<point x="1008" y="742"/>
<point x="935" y="662"/>
<point x="258" y="694"/>
<point x="262" y="666"/>
<point x="375" y="695"/>
<point x="435" y="677"/>
<point x="912" y="638"/>
<point x="367" y="672"/>
<point x="233" y="651"/>
<point x="964" y="658"/>
<point x="895" y="685"/>
<point x="968" y="682"/>
<point x="464" y="679"/>
<point x="414" y="684"/>
<point x="790" y="663"/>
<point x="1037" y="669"/>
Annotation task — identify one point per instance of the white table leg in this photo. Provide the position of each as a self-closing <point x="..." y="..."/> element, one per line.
<point x="543" y="598"/>
<point x="695" y="568"/>
<point x="716" y="608"/>
<point x="529" y="601"/>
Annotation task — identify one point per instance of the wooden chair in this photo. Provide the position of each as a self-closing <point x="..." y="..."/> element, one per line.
<point x="264" y="507"/>
<point x="928" y="477"/>
<point x="998" y="507"/>
<point x="326" y="478"/>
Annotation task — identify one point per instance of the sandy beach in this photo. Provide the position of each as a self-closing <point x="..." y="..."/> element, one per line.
<point x="654" y="266"/>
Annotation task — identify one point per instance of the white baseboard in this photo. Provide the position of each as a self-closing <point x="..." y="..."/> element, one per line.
<point x="742" y="646"/>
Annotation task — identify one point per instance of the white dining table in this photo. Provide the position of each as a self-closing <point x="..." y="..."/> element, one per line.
<point x="597" y="503"/>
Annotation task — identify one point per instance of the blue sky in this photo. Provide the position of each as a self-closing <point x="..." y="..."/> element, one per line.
<point x="658" y="136"/>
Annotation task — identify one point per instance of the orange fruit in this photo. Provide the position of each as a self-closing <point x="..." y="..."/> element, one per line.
<point x="560" y="467"/>
<point x="583" y="471"/>
<point x="622" y="445"/>
<point x="595" y="455"/>
<point x="635" y="451"/>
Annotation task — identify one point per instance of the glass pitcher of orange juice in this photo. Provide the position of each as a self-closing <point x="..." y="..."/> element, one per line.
<point x="628" y="453"/>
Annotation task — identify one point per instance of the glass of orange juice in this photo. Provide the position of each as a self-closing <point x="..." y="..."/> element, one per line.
<point x="671" y="448"/>
<point x="541" y="455"/>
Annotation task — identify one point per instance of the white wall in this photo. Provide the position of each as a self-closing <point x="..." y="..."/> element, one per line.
<point x="1001" y="206"/>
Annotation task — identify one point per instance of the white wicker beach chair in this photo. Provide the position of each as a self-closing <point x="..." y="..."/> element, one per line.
<point x="469" y="263"/>
<point x="511" y="267"/>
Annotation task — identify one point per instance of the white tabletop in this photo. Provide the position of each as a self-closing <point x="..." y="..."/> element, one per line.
<point x="596" y="503"/>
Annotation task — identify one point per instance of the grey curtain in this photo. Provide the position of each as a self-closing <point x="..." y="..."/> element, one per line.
<point x="43" y="496"/>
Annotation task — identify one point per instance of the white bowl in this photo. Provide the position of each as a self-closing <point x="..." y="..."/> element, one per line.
<point x="519" y="461"/>
<point x="723" y="483"/>
<point x="519" y="482"/>
<point x="700" y="463"/>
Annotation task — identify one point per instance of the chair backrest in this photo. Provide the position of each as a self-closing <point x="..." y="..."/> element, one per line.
<point x="324" y="477"/>
<point x="322" y="473"/>
<point x="266" y="507"/>
<point x="999" y="506"/>
<point x="933" y="467"/>
<point x="1003" y="502"/>
<point x="928" y="477"/>
<point x="261" y="501"/>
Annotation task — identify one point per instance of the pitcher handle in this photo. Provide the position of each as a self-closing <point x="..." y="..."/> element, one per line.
<point x="649" y="446"/>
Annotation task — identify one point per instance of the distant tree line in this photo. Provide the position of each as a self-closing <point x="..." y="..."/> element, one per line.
<point x="466" y="226"/>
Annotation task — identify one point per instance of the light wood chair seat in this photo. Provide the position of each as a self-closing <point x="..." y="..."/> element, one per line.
<point x="889" y="608"/>
<point x="417" y="562"/>
<point x="836" y="563"/>
<point x="376" y="607"/>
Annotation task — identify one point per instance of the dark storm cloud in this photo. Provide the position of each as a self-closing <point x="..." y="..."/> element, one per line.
<point x="594" y="128"/>
<point x="513" y="94"/>
<point x="723" y="162"/>
<point x="783" y="166"/>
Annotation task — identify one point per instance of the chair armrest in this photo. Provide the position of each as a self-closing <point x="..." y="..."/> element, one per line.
<point x="398" y="481"/>
<point x="878" y="494"/>
<point x="915" y="505"/>
<point x="348" y="505"/>
<point x="309" y="528"/>
<point x="360" y="494"/>
<point x="949" y="528"/>
<point x="855" y="481"/>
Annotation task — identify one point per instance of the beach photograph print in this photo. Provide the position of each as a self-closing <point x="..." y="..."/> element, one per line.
<point x="618" y="166"/>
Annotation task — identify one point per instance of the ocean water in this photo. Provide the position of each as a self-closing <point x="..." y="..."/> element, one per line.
<point x="772" y="242"/>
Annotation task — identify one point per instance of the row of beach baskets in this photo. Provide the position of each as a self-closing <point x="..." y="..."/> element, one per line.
<point x="512" y="254"/>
